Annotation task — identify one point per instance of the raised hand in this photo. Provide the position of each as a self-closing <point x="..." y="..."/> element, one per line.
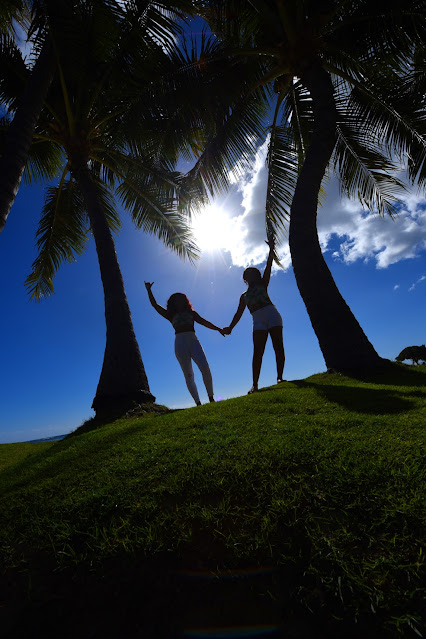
<point x="222" y="332"/>
<point x="227" y="330"/>
<point x="148" y="285"/>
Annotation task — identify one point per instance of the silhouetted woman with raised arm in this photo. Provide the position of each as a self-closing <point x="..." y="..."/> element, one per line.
<point x="266" y="318"/>
<point x="182" y="316"/>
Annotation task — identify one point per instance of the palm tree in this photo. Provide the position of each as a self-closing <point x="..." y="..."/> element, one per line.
<point x="332" y="73"/>
<point x="87" y="140"/>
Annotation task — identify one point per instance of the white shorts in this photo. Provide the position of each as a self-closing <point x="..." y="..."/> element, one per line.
<point x="266" y="318"/>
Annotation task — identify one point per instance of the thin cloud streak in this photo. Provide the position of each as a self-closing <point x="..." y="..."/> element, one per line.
<point x="421" y="279"/>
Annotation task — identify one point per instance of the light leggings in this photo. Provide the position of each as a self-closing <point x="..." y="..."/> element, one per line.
<point x="188" y="348"/>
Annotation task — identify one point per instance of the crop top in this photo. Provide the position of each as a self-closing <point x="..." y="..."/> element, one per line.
<point x="256" y="297"/>
<point x="183" y="322"/>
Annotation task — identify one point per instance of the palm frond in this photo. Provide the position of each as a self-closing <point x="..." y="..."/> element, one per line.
<point x="366" y="174"/>
<point x="236" y="21"/>
<point x="191" y="195"/>
<point x="4" y="125"/>
<point x="10" y="11"/>
<point x="156" y="213"/>
<point x="13" y="73"/>
<point x="123" y="44"/>
<point x="384" y="30"/>
<point x="239" y="132"/>
<point x="282" y="165"/>
<point x="61" y="236"/>
<point x="45" y="161"/>
<point x="191" y="93"/>
<point x="182" y="97"/>
<point x="158" y="21"/>
<point x="394" y="123"/>
<point x="298" y="116"/>
<point x="104" y="166"/>
<point x="184" y="191"/>
<point x="107" y="201"/>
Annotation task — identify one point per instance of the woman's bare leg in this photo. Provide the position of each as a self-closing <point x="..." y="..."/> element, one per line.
<point x="277" y="342"/>
<point x="259" y="343"/>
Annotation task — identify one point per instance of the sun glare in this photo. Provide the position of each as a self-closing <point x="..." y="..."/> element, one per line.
<point x="213" y="229"/>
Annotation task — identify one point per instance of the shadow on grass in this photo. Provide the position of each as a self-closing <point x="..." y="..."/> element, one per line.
<point x="374" y="401"/>
<point x="392" y="374"/>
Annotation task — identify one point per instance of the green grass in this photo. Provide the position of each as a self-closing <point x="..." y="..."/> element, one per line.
<point x="12" y="454"/>
<point x="322" y="480"/>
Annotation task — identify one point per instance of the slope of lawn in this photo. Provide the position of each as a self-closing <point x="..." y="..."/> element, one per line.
<point x="11" y="454"/>
<point x="298" y="511"/>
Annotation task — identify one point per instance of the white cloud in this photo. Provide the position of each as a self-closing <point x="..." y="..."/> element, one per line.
<point x="396" y="287"/>
<point x="367" y="236"/>
<point x="359" y="235"/>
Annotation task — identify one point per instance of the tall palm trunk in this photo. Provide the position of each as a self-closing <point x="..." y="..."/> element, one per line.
<point x="20" y="134"/>
<point x="123" y="379"/>
<point x="342" y="340"/>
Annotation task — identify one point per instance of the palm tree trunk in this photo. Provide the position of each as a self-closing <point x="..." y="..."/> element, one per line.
<point x="123" y="380"/>
<point x="20" y="133"/>
<point x="343" y="343"/>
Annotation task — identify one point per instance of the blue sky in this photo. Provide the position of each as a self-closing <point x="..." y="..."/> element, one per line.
<point x="51" y="352"/>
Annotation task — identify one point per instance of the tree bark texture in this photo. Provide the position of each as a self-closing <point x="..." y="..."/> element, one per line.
<point x="343" y="343"/>
<point x="123" y="380"/>
<point x="20" y="133"/>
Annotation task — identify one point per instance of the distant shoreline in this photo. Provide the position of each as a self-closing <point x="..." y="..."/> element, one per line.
<point x="46" y="439"/>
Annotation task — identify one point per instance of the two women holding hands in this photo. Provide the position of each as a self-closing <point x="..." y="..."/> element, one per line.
<point x="266" y="321"/>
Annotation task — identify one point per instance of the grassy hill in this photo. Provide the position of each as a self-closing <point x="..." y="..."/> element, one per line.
<point x="295" y="512"/>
